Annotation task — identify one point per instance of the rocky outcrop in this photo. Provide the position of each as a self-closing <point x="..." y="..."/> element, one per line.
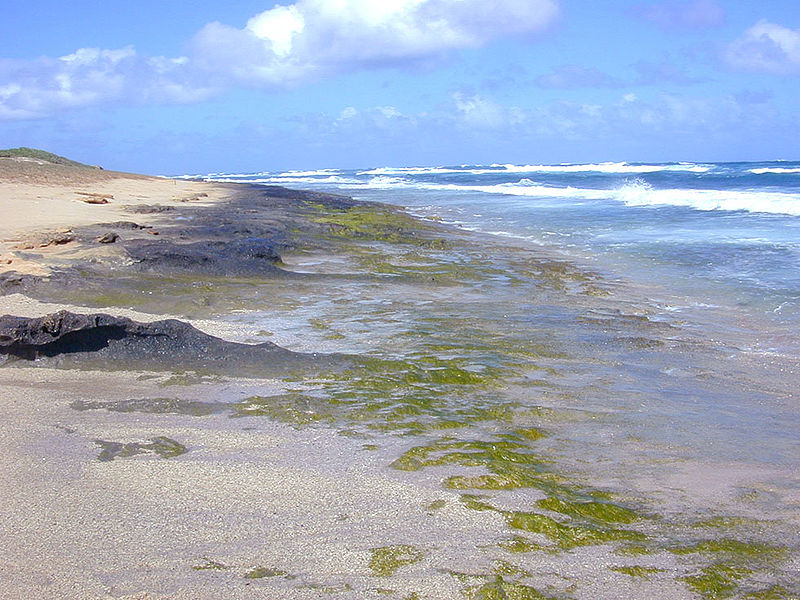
<point x="248" y="256"/>
<point x="69" y="339"/>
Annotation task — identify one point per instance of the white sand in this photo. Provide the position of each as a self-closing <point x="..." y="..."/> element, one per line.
<point x="248" y="493"/>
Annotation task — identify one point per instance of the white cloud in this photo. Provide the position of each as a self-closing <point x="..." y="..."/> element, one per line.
<point x="287" y="44"/>
<point x="278" y="26"/>
<point x="91" y="76"/>
<point x="283" y="46"/>
<point x="348" y="112"/>
<point x="481" y="113"/>
<point x="766" y="47"/>
<point x="477" y="111"/>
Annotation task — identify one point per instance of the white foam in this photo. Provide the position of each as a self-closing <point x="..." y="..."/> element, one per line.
<point x="642" y="194"/>
<point x="282" y="179"/>
<point x="316" y="173"/>
<point x="634" y="193"/>
<point x="605" y="167"/>
<point x="763" y="170"/>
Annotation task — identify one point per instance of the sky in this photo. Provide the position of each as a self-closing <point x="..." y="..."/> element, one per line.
<point x="247" y="86"/>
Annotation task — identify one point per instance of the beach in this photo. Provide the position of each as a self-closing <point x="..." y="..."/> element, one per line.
<point x="437" y="413"/>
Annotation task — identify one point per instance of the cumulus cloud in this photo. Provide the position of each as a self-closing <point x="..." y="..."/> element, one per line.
<point x="287" y="44"/>
<point x="682" y="14"/>
<point x="766" y="47"/>
<point x="574" y="76"/>
<point x="283" y="46"/>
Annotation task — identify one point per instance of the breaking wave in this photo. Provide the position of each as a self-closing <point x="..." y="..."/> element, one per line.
<point x="633" y="193"/>
<point x="605" y="167"/>
<point x="779" y="170"/>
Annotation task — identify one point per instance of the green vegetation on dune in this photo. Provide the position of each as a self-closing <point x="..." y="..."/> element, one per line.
<point x="40" y="155"/>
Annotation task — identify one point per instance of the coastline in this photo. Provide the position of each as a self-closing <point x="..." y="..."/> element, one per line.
<point x="366" y="499"/>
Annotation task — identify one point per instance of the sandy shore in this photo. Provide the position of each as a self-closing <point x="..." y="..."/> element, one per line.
<point x="514" y="475"/>
<point x="42" y="202"/>
<point x="248" y="494"/>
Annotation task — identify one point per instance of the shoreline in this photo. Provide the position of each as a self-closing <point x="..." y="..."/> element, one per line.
<point x="469" y="453"/>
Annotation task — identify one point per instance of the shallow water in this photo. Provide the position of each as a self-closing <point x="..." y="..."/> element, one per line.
<point x="593" y="407"/>
<point x="709" y="234"/>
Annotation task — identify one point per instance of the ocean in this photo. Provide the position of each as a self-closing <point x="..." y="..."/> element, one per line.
<point x="634" y="326"/>
<point x="720" y="238"/>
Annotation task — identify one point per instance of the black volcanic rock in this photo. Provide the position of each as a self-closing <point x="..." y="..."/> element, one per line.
<point x="69" y="339"/>
<point x="248" y="256"/>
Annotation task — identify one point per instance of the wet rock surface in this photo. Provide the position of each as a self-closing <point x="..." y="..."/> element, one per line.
<point x="69" y="339"/>
<point x="250" y="256"/>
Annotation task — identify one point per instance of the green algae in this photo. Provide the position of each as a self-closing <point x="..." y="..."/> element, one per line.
<point x="323" y="588"/>
<point x="717" y="580"/>
<point x="637" y="571"/>
<point x="512" y="465"/>
<point x="174" y="406"/>
<point x="436" y="505"/>
<point x="732" y="561"/>
<point x="210" y="565"/>
<point x="518" y="544"/>
<point x="476" y="502"/>
<point x="265" y="572"/>
<point x="503" y="567"/>
<point x="377" y="223"/>
<point x="189" y="378"/>
<point x="292" y="408"/>
<point x="591" y="514"/>
<point x="774" y="592"/>
<point x="633" y="550"/>
<point x="528" y="433"/>
<point x="605" y="512"/>
<point x="724" y="523"/>
<point x="160" y="445"/>
<point x="470" y="453"/>
<point x="386" y="560"/>
<point x="568" y="536"/>
<point x="736" y="549"/>
<point x="500" y="589"/>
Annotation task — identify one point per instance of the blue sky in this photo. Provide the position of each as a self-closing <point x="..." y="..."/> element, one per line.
<point x="249" y="86"/>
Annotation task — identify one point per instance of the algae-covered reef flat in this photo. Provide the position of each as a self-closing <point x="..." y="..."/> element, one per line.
<point x="264" y="393"/>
